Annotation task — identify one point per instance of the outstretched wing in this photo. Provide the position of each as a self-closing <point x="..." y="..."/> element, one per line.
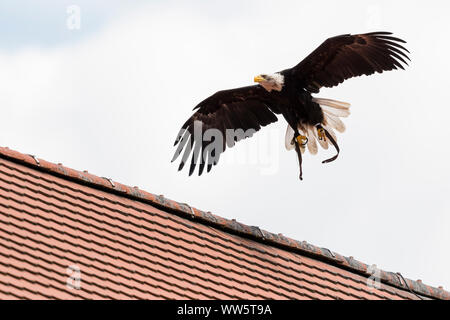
<point x="346" y="56"/>
<point x="221" y="120"/>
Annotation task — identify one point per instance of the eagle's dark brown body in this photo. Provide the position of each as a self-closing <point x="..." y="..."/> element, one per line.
<point x="296" y="105"/>
<point x="250" y="108"/>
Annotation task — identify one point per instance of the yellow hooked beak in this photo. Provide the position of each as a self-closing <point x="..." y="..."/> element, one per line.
<point x="259" y="79"/>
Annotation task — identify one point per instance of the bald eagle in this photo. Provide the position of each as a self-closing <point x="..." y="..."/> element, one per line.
<point x="232" y="115"/>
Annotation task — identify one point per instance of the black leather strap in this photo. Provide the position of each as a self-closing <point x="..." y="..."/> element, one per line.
<point x="330" y="137"/>
<point x="299" y="153"/>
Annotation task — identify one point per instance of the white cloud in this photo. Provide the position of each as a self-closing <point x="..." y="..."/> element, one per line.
<point x="114" y="102"/>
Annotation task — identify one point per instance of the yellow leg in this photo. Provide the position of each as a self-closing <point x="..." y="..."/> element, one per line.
<point x="321" y="134"/>
<point x="302" y="140"/>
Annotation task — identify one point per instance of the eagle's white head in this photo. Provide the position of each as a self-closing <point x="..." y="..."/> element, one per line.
<point x="271" y="81"/>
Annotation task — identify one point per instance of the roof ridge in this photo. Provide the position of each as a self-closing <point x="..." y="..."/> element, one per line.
<point x="254" y="232"/>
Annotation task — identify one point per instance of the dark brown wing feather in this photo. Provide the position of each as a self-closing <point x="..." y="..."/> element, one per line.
<point x="242" y="108"/>
<point x="346" y="56"/>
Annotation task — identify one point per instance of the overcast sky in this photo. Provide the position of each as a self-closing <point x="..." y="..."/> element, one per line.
<point x="110" y="98"/>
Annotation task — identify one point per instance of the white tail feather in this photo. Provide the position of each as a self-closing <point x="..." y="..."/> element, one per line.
<point x="288" y="138"/>
<point x="332" y="110"/>
<point x="332" y="103"/>
<point x="334" y="122"/>
<point x="335" y="111"/>
<point x="312" y="145"/>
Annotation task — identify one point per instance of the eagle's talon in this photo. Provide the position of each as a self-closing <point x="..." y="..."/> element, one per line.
<point x="302" y="140"/>
<point x="321" y="134"/>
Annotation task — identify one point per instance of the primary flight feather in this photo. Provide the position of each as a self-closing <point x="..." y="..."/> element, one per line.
<point x="231" y="115"/>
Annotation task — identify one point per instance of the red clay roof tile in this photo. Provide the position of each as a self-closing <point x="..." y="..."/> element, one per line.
<point x="131" y="244"/>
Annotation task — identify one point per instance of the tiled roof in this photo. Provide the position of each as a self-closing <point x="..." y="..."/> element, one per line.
<point x="128" y="243"/>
